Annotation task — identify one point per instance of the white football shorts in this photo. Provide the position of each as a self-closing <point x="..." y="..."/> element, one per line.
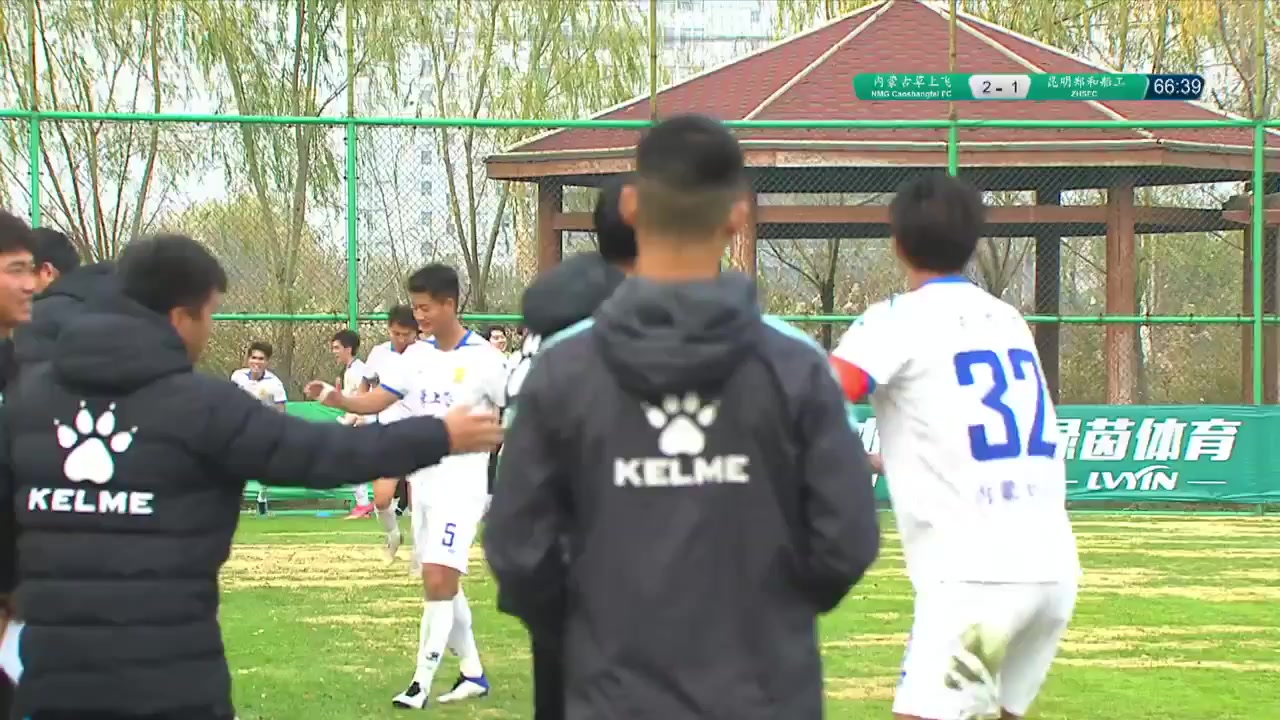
<point x="443" y="531"/>
<point x="1033" y="616"/>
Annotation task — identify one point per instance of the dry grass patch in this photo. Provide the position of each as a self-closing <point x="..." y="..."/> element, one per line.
<point x="1119" y="577"/>
<point x="1146" y="663"/>
<point x="861" y="688"/>
<point x="868" y="640"/>
<point x="1200" y="592"/>
<point x="354" y="620"/>
<point x="321" y="565"/>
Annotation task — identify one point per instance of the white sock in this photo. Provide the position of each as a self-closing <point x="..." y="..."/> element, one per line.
<point x="433" y="636"/>
<point x="387" y="516"/>
<point x="362" y="495"/>
<point x="462" y="640"/>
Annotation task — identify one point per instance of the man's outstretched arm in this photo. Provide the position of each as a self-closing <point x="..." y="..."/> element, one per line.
<point x="251" y="441"/>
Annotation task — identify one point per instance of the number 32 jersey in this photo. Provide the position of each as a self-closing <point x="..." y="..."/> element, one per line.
<point x="968" y="435"/>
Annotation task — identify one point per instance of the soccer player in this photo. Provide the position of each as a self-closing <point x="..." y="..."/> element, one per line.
<point x="455" y="366"/>
<point x="354" y="379"/>
<point x="689" y="464"/>
<point x="391" y="495"/>
<point x="259" y="381"/>
<point x="969" y="448"/>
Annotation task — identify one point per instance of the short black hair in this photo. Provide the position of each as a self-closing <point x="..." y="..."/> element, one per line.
<point x="402" y="315"/>
<point x="437" y="280"/>
<point x="488" y="333"/>
<point x="56" y="249"/>
<point x="261" y="346"/>
<point x="163" y="272"/>
<point x="15" y="235"/>
<point x="689" y="172"/>
<point x="936" y="221"/>
<point x="347" y="339"/>
<point x="616" y="239"/>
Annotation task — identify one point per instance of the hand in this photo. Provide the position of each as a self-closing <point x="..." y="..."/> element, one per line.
<point x="877" y="462"/>
<point x="470" y="431"/>
<point x="321" y="391"/>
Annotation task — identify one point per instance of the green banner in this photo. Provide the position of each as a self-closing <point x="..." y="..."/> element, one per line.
<point x="1157" y="453"/>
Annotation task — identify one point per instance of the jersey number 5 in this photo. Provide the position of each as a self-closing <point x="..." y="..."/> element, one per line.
<point x="1025" y="367"/>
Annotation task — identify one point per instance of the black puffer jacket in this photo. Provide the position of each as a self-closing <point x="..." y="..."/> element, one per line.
<point x="127" y="469"/>
<point x="696" y="461"/>
<point x="57" y="305"/>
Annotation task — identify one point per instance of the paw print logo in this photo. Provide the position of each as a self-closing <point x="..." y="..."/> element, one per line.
<point x="681" y="422"/>
<point x="92" y="443"/>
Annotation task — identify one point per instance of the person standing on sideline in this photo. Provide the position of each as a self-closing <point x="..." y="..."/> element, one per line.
<point x="569" y="293"/>
<point x="123" y="454"/>
<point x="63" y="288"/>
<point x="257" y="379"/>
<point x="966" y="422"/>
<point x="354" y="379"/>
<point x="17" y="286"/>
<point x="738" y="503"/>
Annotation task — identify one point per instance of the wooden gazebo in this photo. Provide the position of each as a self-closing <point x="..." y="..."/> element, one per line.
<point x="809" y="77"/>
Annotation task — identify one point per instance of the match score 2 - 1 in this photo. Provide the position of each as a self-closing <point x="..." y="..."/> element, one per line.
<point x="999" y="87"/>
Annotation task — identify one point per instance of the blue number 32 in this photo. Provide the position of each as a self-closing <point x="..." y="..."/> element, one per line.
<point x="1024" y="365"/>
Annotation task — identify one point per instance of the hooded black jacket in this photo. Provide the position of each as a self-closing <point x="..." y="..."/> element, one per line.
<point x="568" y="293"/>
<point x="715" y="499"/>
<point x="57" y="305"/>
<point x="127" y="469"/>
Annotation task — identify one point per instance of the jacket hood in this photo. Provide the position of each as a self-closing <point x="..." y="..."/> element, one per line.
<point x="118" y="346"/>
<point x="82" y="283"/>
<point x="568" y="293"/>
<point x="675" y="337"/>
<point x="64" y="299"/>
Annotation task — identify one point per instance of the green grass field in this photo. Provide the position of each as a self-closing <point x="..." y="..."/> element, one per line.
<point x="1178" y="619"/>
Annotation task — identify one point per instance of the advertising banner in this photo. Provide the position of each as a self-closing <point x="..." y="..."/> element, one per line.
<point x="1156" y="453"/>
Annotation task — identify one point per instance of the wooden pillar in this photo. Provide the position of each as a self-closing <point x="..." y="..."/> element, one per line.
<point x="550" y="240"/>
<point x="1122" y="296"/>
<point x="1270" y="306"/>
<point x="1048" y="294"/>
<point x="743" y="249"/>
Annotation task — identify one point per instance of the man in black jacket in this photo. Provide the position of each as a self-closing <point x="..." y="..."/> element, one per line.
<point x="128" y="468"/>
<point x="566" y="295"/>
<point x="65" y="287"/>
<point x="17" y="284"/>
<point x="694" y="462"/>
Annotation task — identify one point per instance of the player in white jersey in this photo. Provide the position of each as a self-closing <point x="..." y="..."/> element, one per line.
<point x="969" y="448"/>
<point x="456" y="367"/>
<point x="354" y="379"/>
<point x="259" y="381"/>
<point x="391" y="495"/>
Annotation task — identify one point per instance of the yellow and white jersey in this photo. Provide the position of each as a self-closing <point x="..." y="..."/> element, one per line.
<point x="384" y="362"/>
<point x="268" y="389"/>
<point x="472" y="373"/>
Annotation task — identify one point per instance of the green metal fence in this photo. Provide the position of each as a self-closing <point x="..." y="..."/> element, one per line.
<point x="322" y="283"/>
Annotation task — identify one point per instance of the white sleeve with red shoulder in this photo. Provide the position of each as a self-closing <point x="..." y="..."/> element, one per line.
<point x="871" y="353"/>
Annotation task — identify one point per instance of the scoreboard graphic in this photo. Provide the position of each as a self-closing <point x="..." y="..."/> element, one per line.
<point x="1039" y="87"/>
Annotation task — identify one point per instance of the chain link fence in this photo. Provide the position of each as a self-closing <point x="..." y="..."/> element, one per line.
<point x="371" y="149"/>
<point x="1139" y="280"/>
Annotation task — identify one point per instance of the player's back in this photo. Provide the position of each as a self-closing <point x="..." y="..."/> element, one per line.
<point x="969" y="438"/>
